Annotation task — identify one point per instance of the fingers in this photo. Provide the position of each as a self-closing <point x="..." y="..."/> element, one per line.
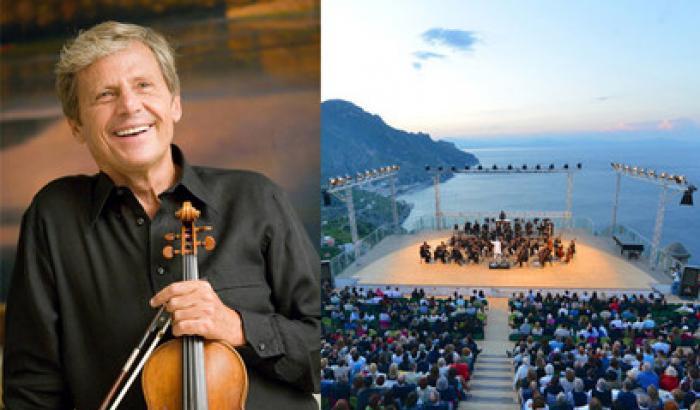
<point x="193" y="306"/>
<point x="202" y="326"/>
<point x="181" y="290"/>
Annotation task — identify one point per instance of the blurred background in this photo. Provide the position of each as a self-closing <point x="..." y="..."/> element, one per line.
<point x="250" y="88"/>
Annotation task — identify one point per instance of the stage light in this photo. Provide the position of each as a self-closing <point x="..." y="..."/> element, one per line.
<point x="427" y="167"/>
<point x="663" y="175"/>
<point x="551" y="166"/>
<point x="538" y="167"/>
<point x="440" y="168"/>
<point x="579" y="165"/>
<point x="566" y="166"/>
<point x="480" y="168"/>
<point x="454" y="168"/>
<point x="651" y="173"/>
<point x="466" y="167"/>
<point x="641" y="171"/>
<point x="680" y="179"/>
<point x="688" y="196"/>
<point x="510" y="167"/>
<point x="494" y="166"/>
<point x="524" y="166"/>
<point x="326" y="198"/>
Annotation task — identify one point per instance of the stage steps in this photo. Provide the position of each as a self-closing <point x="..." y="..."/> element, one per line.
<point x="492" y="381"/>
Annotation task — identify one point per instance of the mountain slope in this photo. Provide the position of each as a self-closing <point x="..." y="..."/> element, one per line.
<point x="353" y="140"/>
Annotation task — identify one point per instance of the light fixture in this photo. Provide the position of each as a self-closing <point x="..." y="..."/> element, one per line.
<point x="687" y="198"/>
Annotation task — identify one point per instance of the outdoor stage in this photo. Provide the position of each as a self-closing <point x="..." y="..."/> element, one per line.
<point x="596" y="265"/>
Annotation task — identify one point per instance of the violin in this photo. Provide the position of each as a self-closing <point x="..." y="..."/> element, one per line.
<point x="186" y="373"/>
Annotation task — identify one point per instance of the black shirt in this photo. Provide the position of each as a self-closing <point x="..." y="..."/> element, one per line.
<point x="89" y="259"/>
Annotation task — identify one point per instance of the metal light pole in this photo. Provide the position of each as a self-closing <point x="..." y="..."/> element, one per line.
<point x="658" y="226"/>
<point x="342" y="187"/>
<point x="677" y="183"/>
<point x="394" y="208"/>
<point x="568" y="220"/>
<point x="615" y="203"/>
<point x="438" y="211"/>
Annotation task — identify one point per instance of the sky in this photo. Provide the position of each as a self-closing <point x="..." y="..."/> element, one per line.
<point x="461" y="69"/>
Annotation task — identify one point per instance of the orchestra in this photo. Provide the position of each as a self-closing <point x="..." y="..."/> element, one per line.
<point x="502" y="241"/>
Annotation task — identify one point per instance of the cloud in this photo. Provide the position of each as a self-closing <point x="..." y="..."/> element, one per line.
<point x="675" y="124"/>
<point x="427" y="55"/>
<point x="460" y="40"/>
<point x="417" y="65"/>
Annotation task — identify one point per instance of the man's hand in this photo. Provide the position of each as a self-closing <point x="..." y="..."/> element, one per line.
<point x="197" y="310"/>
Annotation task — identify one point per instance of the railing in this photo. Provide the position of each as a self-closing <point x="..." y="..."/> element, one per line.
<point x="428" y="222"/>
<point x="661" y="259"/>
<point x="346" y="258"/>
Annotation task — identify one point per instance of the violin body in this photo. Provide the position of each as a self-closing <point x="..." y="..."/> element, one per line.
<point x="227" y="379"/>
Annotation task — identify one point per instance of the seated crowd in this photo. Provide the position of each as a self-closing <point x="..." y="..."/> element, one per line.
<point x="383" y="350"/>
<point x="590" y="351"/>
<point x="497" y="239"/>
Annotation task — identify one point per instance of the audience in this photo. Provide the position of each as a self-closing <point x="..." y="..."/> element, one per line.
<point x="401" y="352"/>
<point x="627" y="351"/>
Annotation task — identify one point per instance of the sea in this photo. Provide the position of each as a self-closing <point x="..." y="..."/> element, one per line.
<point x="593" y="185"/>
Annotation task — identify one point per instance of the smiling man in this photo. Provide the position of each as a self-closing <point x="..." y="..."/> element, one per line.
<point x="89" y="273"/>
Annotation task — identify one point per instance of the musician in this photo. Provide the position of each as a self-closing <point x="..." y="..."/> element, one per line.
<point x="425" y="252"/>
<point x="441" y="252"/>
<point x="544" y="256"/>
<point x="456" y="256"/>
<point x="474" y="254"/>
<point x="570" y="251"/>
<point x="523" y="255"/>
<point x="89" y="274"/>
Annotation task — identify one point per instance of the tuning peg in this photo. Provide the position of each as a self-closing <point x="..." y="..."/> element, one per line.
<point x="209" y="243"/>
<point x="171" y="236"/>
<point x="204" y="228"/>
<point x="168" y="252"/>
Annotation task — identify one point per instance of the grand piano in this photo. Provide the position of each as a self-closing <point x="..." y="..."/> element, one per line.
<point x="633" y="249"/>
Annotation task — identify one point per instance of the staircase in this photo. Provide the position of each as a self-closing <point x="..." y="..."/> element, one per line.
<point x="492" y="379"/>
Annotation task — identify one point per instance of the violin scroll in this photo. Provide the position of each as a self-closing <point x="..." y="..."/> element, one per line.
<point x="188" y="234"/>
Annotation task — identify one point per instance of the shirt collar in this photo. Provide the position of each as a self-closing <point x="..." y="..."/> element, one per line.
<point x="189" y="179"/>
